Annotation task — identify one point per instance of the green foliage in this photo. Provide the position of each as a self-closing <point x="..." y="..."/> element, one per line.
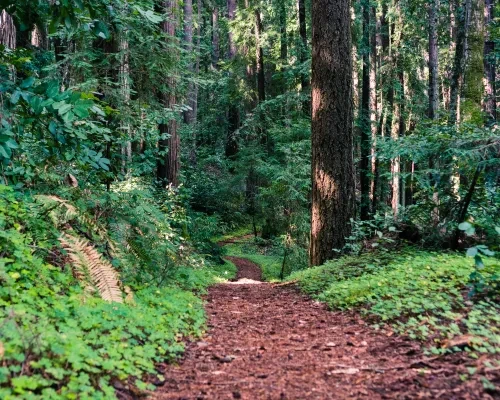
<point x="419" y="293"/>
<point x="59" y="341"/>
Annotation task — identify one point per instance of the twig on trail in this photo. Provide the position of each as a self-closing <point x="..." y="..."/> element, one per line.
<point x="285" y="283"/>
<point x="415" y="364"/>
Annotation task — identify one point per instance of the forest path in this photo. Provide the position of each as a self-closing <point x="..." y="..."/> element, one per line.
<point x="268" y="341"/>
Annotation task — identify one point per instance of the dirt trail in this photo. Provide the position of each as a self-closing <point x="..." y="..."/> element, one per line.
<point x="271" y="342"/>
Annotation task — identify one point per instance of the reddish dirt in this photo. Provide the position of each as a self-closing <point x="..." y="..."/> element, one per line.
<point x="246" y="268"/>
<point x="271" y="342"/>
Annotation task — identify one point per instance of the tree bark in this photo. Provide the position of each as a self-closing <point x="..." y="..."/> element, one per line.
<point x="233" y="114"/>
<point x="433" y="59"/>
<point x="333" y="196"/>
<point x="365" y="117"/>
<point x="259" y="56"/>
<point x="374" y="107"/>
<point x="489" y="64"/>
<point x="473" y="89"/>
<point x="459" y="60"/>
<point x="168" y="168"/>
<point x="283" y="33"/>
<point x="304" y="79"/>
<point x="433" y="91"/>
<point x="215" y="38"/>
<point x="7" y="30"/>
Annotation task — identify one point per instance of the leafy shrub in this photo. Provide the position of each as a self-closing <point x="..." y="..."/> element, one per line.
<point x="59" y="341"/>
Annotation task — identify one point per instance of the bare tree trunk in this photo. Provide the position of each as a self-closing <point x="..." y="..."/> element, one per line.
<point x="215" y="37"/>
<point x="283" y="33"/>
<point x="433" y="90"/>
<point x="433" y="59"/>
<point x="124" y="77"/>
<point x="7" y="30"/>
<point x="460" y="60"/>
<point x="233" y="114"/>
<point x="489" y="63"/>
<point x="304" y="79"/>
<point x="396" y="162"/>
<point x="333" y="198"/>
<point x="168" y="168"/>
<point x="374" y="109"/>
<point x="365" y="117"/>
<point x="473" y="89"/>
<point x="193" y="68"/>
<point x="259" y="56"/>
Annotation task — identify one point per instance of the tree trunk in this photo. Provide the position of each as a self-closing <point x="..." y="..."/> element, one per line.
<point x="304" y="79"/>
<point x="215" y="37"/>
<point x="259" y="56"/>
<point x="7" y="30"/>
<point x="193" y="68"/>
<point x="473" y="90"/>
<point x="283" y="33"/>
<point x="233" y="114"/>
<point x="333" y="198"/>
<point x="374" y="108"/>
<point x="459" y="60"/>
<point x="433" y="59"/>
<point x="168" y="168"/>
<point x="490" y="104"/>
<point x="124" y="79"/>
<point x="365" y="117"/>
<point x="433" y="91"/>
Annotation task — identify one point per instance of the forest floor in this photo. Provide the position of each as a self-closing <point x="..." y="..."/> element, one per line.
<point x="269" y="341"/>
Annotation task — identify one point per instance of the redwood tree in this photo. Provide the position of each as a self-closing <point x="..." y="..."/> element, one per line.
<point x="332" y="118"/>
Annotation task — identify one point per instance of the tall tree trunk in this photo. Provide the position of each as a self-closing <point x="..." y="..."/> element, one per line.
<point x="259" y="56"/>
<point x="193" y="68"/>
<point x="365" y="116"/>
<point x="215" y="37"/>
<point x="374" y="108"/>
<point x="124" y="79"/>
<point x="460" y="60"/>
<point x="333" y="196"/>
<point x="168" y="168"/>
<point x="433" y="59"/>
<point x="304" y="79"/>
<point x="473" y="89"/>
<point x="283" y="33"/>
<point x="7" y="30"/>
<point x="233" y="114"/>
<point x="489" y="64"/>
<point x="433" y="91"/>
<point x="396" y="162"/>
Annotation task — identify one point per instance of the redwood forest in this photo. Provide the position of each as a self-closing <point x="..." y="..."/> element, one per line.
<point x="249" y="199"/>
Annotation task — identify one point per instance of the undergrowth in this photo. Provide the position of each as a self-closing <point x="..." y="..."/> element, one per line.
<point x="59" y="338"/>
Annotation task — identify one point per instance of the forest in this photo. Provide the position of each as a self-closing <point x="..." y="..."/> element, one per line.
<point x="249" y="199"/>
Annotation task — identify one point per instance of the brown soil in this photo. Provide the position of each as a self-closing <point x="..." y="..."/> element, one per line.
<point x="246" y="269"/>
<point x="271" y="342"/>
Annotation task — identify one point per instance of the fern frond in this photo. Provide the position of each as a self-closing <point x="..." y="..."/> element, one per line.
<point x="87" y="262"/>
<point x="70" y="211"/>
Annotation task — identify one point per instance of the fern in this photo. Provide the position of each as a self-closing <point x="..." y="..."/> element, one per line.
<point x="87" y="262"/>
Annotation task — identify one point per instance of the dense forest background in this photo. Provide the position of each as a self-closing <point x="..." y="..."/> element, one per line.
<point x="136" y="134"/>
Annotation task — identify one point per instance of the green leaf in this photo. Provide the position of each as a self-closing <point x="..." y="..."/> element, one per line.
<point x="464" y="226"/>
<point x="5" y="152"/>
<point x="14" y="98"/>
<point x="27" y="83"/>
<point x="11" y="143"/>
<point x="64" y="109"/>
<point x="471" y="252"/>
